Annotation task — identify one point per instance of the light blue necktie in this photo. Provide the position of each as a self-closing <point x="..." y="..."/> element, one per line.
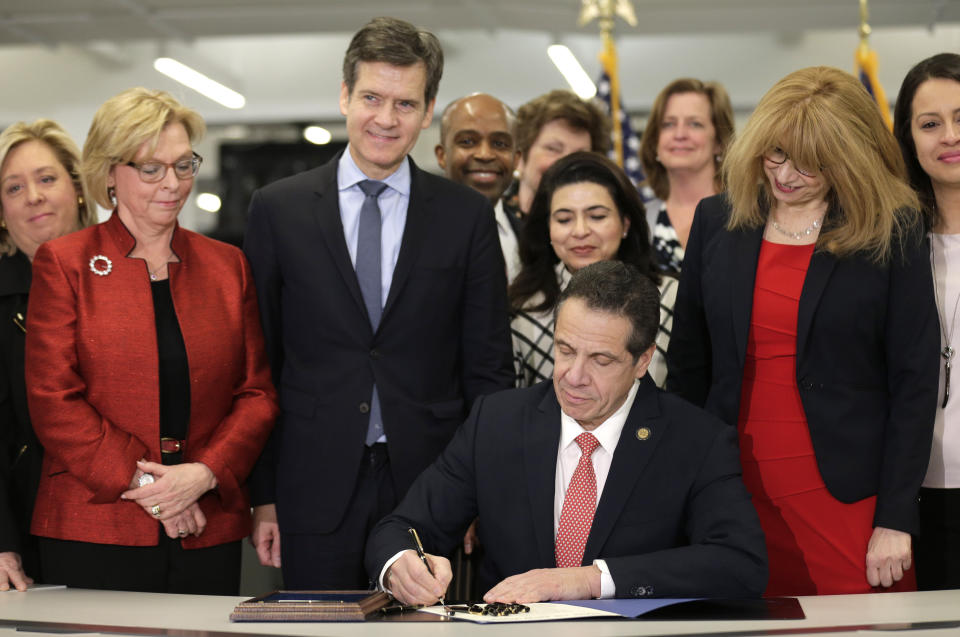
<point x="369" y="277"/>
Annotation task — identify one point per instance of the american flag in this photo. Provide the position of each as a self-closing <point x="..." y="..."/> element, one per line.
<point x="865" y="61"/>
<point x="631" y="142"/>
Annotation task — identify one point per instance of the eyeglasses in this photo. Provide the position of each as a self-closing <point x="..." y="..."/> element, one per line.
<point x="777" y="155"/>
<point x="154" y="171"/>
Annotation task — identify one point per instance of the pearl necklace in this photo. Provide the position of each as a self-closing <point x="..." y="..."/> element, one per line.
<point x="798" y="236"/>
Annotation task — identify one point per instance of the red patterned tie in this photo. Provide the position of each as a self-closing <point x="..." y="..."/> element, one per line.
<point x="578" y="506"/>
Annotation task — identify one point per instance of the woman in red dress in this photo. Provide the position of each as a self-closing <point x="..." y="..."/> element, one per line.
<point x="805" y="317"/>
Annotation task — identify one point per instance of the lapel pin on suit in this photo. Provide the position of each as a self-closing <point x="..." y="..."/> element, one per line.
<point x="101" y="265"/>
<point x="643" y="433"/>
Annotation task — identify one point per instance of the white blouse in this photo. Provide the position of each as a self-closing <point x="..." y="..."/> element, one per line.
<point x="944" y="468"/>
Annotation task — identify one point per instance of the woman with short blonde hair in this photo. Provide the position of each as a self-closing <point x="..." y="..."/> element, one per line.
<point x="41" y="198"/>
<point x="124" y="124"/>
<point x="52" y="135"/>
<point x="806" y="318"/>
<point x="148" y="382"/>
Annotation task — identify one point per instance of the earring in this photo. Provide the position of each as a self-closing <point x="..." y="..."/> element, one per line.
<point x="624" y="234"/>
<point x="80" y="201"/>
<point x="3" y="224"/>
<point x="112" y="194"/>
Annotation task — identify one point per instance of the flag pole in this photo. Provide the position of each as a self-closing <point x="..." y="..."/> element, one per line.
<point x="605" y="12"/>
<point x="866" y="60"/>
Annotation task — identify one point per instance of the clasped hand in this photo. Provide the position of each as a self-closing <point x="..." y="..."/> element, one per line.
<point x="175" y="491"/>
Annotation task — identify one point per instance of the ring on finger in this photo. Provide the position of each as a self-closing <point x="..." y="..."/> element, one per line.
<point x="182" y="532"/>
<point x="155" y="509"/>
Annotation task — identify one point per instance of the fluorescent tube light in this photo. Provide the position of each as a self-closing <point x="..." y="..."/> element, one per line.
<point x="199" y="82"/>
<point x="569" y="66"/>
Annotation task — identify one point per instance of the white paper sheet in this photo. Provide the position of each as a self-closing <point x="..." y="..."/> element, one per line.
<point x="539" y="612"/>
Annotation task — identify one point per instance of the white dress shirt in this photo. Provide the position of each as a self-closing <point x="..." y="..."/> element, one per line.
<point x="508" y="241"/>
<point x="393" y="203"/>
<point x="943" y="471"/>
<point x="568" y="457"/>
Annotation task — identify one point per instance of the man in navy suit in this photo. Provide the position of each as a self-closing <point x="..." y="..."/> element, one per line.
<point x="382" y="293"/>
<point x="668" y="514"/>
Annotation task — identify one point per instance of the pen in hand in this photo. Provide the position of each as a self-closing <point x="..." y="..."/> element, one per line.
<point x="423" y="557"/>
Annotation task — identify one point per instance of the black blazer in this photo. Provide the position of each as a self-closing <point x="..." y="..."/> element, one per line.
<point x="20" y="452"/>
<point x="867" y="356"/>
<point x="443" y="338"/>
<point x="674" y="519"/>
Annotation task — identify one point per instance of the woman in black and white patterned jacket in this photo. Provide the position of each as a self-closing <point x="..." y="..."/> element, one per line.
<point x="585" y="210"/>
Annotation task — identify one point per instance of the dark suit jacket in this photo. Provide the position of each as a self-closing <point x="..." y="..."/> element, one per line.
<point x="674" y="519"/>
<point x="20" y="452"/>
<point x="93" y="385"/>
<point x="443" y="338"/>
<point x="867" y="358"/>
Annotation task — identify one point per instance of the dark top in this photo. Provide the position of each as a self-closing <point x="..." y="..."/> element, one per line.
<point x="674" y="519"/>
<point x="20" y="453"/>
<point x="867" y="355"/>
<point x="174" y="371"/>
<point x="443" y="339"/>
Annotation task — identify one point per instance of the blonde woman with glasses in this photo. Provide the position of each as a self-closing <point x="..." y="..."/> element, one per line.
<point x="148" y="382"/>
<point x="805" y="318"/>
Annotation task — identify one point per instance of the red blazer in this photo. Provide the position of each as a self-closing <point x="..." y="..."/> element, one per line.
<point x="93" y="387"/>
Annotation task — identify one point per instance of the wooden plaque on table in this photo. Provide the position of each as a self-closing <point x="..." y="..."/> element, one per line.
<point x="310" y="606"/>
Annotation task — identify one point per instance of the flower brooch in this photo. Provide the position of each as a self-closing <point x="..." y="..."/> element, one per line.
<point x="101" y="265"/>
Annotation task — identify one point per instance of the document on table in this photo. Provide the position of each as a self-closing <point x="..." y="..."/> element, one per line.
<point x="539" y="612"/>
<point x="628" y="607"/>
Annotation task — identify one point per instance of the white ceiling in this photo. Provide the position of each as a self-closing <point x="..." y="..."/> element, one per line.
<point x="62" y="58"/>
<point x="55" y="22"/>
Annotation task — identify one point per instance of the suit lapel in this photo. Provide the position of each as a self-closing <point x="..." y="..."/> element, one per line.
<point x="821" y="266"/>
<point x="413" y="233"/>
<point x="331" y="228"/>
<point x="541" y="439"/>
<point x="745" y="252"/>
<point x="629" y="461"/>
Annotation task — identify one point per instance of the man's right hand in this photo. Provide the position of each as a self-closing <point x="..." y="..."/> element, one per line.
<point x="11" y="572"/>
<point x="266" y="534"/>
<point x="410" y="582"/>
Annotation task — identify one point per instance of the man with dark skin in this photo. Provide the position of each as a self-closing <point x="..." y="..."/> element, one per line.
<point x="478" y="149"/>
